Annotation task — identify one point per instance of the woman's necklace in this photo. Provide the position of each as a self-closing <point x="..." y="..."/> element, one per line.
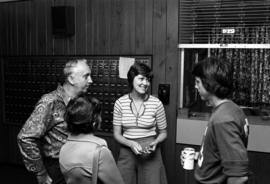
<point x="137" y="108"/>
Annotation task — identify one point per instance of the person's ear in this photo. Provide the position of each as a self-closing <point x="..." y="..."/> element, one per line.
<point x="70" y="79"/>
<point x="94" y="124"/>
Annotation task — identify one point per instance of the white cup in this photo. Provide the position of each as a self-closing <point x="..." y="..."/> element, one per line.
<point x="188" y="156"/>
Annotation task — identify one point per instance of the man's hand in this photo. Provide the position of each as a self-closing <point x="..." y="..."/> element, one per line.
<point x="44" y="178"/>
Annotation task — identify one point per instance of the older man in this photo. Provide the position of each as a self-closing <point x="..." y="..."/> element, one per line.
<point x="45" y="131"/>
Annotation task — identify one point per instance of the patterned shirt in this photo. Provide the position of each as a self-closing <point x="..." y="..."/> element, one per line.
<point x="45" y="131"/>
<point x="143" y="125"/>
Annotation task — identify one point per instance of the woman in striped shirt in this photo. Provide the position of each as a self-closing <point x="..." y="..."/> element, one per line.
<point x="139" y="126"/>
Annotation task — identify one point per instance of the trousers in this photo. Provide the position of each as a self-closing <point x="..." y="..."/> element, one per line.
<point x="136" y="169"/>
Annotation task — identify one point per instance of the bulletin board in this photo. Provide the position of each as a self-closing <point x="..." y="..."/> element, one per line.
<point x="26" y="78"/>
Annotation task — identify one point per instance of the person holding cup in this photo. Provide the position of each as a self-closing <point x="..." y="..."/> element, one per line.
<point x="188" y="156"/>
<point x="223" y="157"/>
<point x="139" y="122"/>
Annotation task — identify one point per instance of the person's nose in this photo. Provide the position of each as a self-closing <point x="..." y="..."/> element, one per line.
<point x="145" y="82"/>
<point x="90" y="80"/>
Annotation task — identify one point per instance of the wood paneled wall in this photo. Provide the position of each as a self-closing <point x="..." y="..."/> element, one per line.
<point x="103" y="27"/>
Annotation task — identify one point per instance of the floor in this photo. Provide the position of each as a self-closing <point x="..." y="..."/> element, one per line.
<point x="14" y="174"/>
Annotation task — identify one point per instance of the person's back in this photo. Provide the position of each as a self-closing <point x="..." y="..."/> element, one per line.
<point x="84" y="158"/>
<point x="77" y="155"/>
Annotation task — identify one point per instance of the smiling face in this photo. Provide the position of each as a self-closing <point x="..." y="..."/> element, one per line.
<point x="81" y="77"/>
<point x="141" y="84"/>
<point x="201" y="89"/>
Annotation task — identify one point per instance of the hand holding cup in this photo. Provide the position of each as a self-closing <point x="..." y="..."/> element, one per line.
<point x="187" y="158"/>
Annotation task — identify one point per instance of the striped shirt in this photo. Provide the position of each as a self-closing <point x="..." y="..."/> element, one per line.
<point x="143" y="125"/>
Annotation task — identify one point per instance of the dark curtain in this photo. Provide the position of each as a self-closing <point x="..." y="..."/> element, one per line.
<point x="251" y="67"/>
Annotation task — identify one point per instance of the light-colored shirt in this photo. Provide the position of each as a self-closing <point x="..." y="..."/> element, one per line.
<point x="145" y="124"/>
<point x="45" y="131"/>
<point x="76" y="160"/>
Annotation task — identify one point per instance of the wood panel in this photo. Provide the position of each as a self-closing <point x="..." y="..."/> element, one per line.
<point x="171" y="70"/>
<point x="128" y="39"/>
<point x="60" y="43"/>
<point x="102" y="39"/>
<point x="12" y="36"/>
<point x="70" y="43"/>
<point x="21" y="29"/>
<point x="34" y="31"/>
<point x="107" y="30"/>
<point x="140" y="26"/>
<point x="42" y="31"/>
<point x="159" y="43"/>
<point x="149" y="26"/>
<point x="89" y="27"/>
<point x="2" y="30"/>
<point x="80" y="24"/>
<point x="28" y="28"/>
<point x="116" y="26"/>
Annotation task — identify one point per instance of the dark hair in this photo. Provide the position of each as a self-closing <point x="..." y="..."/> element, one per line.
<point x="138" y="69"/>
<point x="216" y="76"/>
<point x="83" y="115"/>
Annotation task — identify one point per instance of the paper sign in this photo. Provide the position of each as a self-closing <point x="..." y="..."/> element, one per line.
<point x="124" y="65"/>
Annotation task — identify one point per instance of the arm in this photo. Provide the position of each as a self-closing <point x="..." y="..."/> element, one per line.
<point x="108" y="172"/>
<point x="160" y="138"/>
<point x="29" y="140"/>
<point x="232" y="150"/>
<point x="237" y="180"/>
<point x="162" y="125"/>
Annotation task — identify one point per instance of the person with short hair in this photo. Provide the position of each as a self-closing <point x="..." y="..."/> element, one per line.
<point x="77" y="155"/>
<point x="140" y="124"/>
<point x="45" y="131"/>
<point x="223" y="156"/>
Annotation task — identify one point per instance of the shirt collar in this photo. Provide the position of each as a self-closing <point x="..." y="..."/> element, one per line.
<point x="60" y="90"/>
<point x="144" y="100"/>
<point x="85" y="138"/>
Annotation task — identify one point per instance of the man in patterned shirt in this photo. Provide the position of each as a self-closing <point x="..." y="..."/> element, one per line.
<point x="45" y="131"/>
